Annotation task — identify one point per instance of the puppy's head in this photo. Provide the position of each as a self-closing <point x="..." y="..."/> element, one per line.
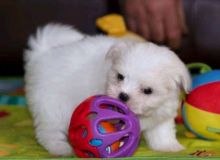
<point x="145" y="76"/>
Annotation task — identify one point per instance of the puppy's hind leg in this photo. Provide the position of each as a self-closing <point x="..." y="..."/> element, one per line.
<point x="51" y="115"/>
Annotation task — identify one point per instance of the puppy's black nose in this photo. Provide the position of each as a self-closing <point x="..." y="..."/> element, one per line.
<point x="123" y="97"/>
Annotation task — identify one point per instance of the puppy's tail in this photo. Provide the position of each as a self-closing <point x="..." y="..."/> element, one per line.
<point x="51" y="36"/>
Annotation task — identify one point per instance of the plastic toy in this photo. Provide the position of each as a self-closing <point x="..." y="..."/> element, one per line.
<point x="114" y="25"/>
<point x="201" y="110"/>
<point x="103" y="127"/>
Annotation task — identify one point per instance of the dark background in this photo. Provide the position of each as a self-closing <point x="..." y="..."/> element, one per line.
<point x="20" y="18"/>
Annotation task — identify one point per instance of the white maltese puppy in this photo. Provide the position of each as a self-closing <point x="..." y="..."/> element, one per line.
<point x="64" y="67"/>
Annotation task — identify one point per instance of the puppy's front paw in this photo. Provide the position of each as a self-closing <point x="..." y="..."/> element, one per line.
<point x="162" y="137"/>
<point x="171" y="147"/>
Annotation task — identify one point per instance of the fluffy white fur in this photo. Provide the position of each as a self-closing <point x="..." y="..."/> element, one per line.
<point x="64" y="66"/>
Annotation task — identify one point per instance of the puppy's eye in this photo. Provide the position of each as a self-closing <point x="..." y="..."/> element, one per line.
<point x="147" y="91"/>
<point x="120" y="77"/>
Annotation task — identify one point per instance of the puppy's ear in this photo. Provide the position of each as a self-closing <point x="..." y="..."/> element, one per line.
<point x="183" y="78"/>
<point x="115" y="51"/>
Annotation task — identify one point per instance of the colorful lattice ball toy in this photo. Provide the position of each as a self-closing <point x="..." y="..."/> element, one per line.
<point x="103" y="127"/>
<point x="201" y="110"/>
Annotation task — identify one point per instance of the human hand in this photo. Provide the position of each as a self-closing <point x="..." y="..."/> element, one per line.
<point x="161" y="21"/>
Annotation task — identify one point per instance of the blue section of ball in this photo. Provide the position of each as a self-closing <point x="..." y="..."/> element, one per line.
<point x="95" y="142"/>
<point x="85" y="133"/>
<point x="208" y="77"/>
<point x="101" y="129"/>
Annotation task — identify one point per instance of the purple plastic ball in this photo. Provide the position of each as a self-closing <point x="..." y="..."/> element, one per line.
<point x="96" y="143"/>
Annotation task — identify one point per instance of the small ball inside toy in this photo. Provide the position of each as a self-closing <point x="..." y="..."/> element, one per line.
<point x="106" y="127"/>
<point x="103" y="127"/>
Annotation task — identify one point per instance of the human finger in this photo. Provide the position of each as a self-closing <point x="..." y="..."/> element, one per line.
<point x="142" y="21"/>
<point x="172" y="28"/>
<point x="157" y="29"/>
<point x="130" y="8"/>
<point x="181" y="13"/>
